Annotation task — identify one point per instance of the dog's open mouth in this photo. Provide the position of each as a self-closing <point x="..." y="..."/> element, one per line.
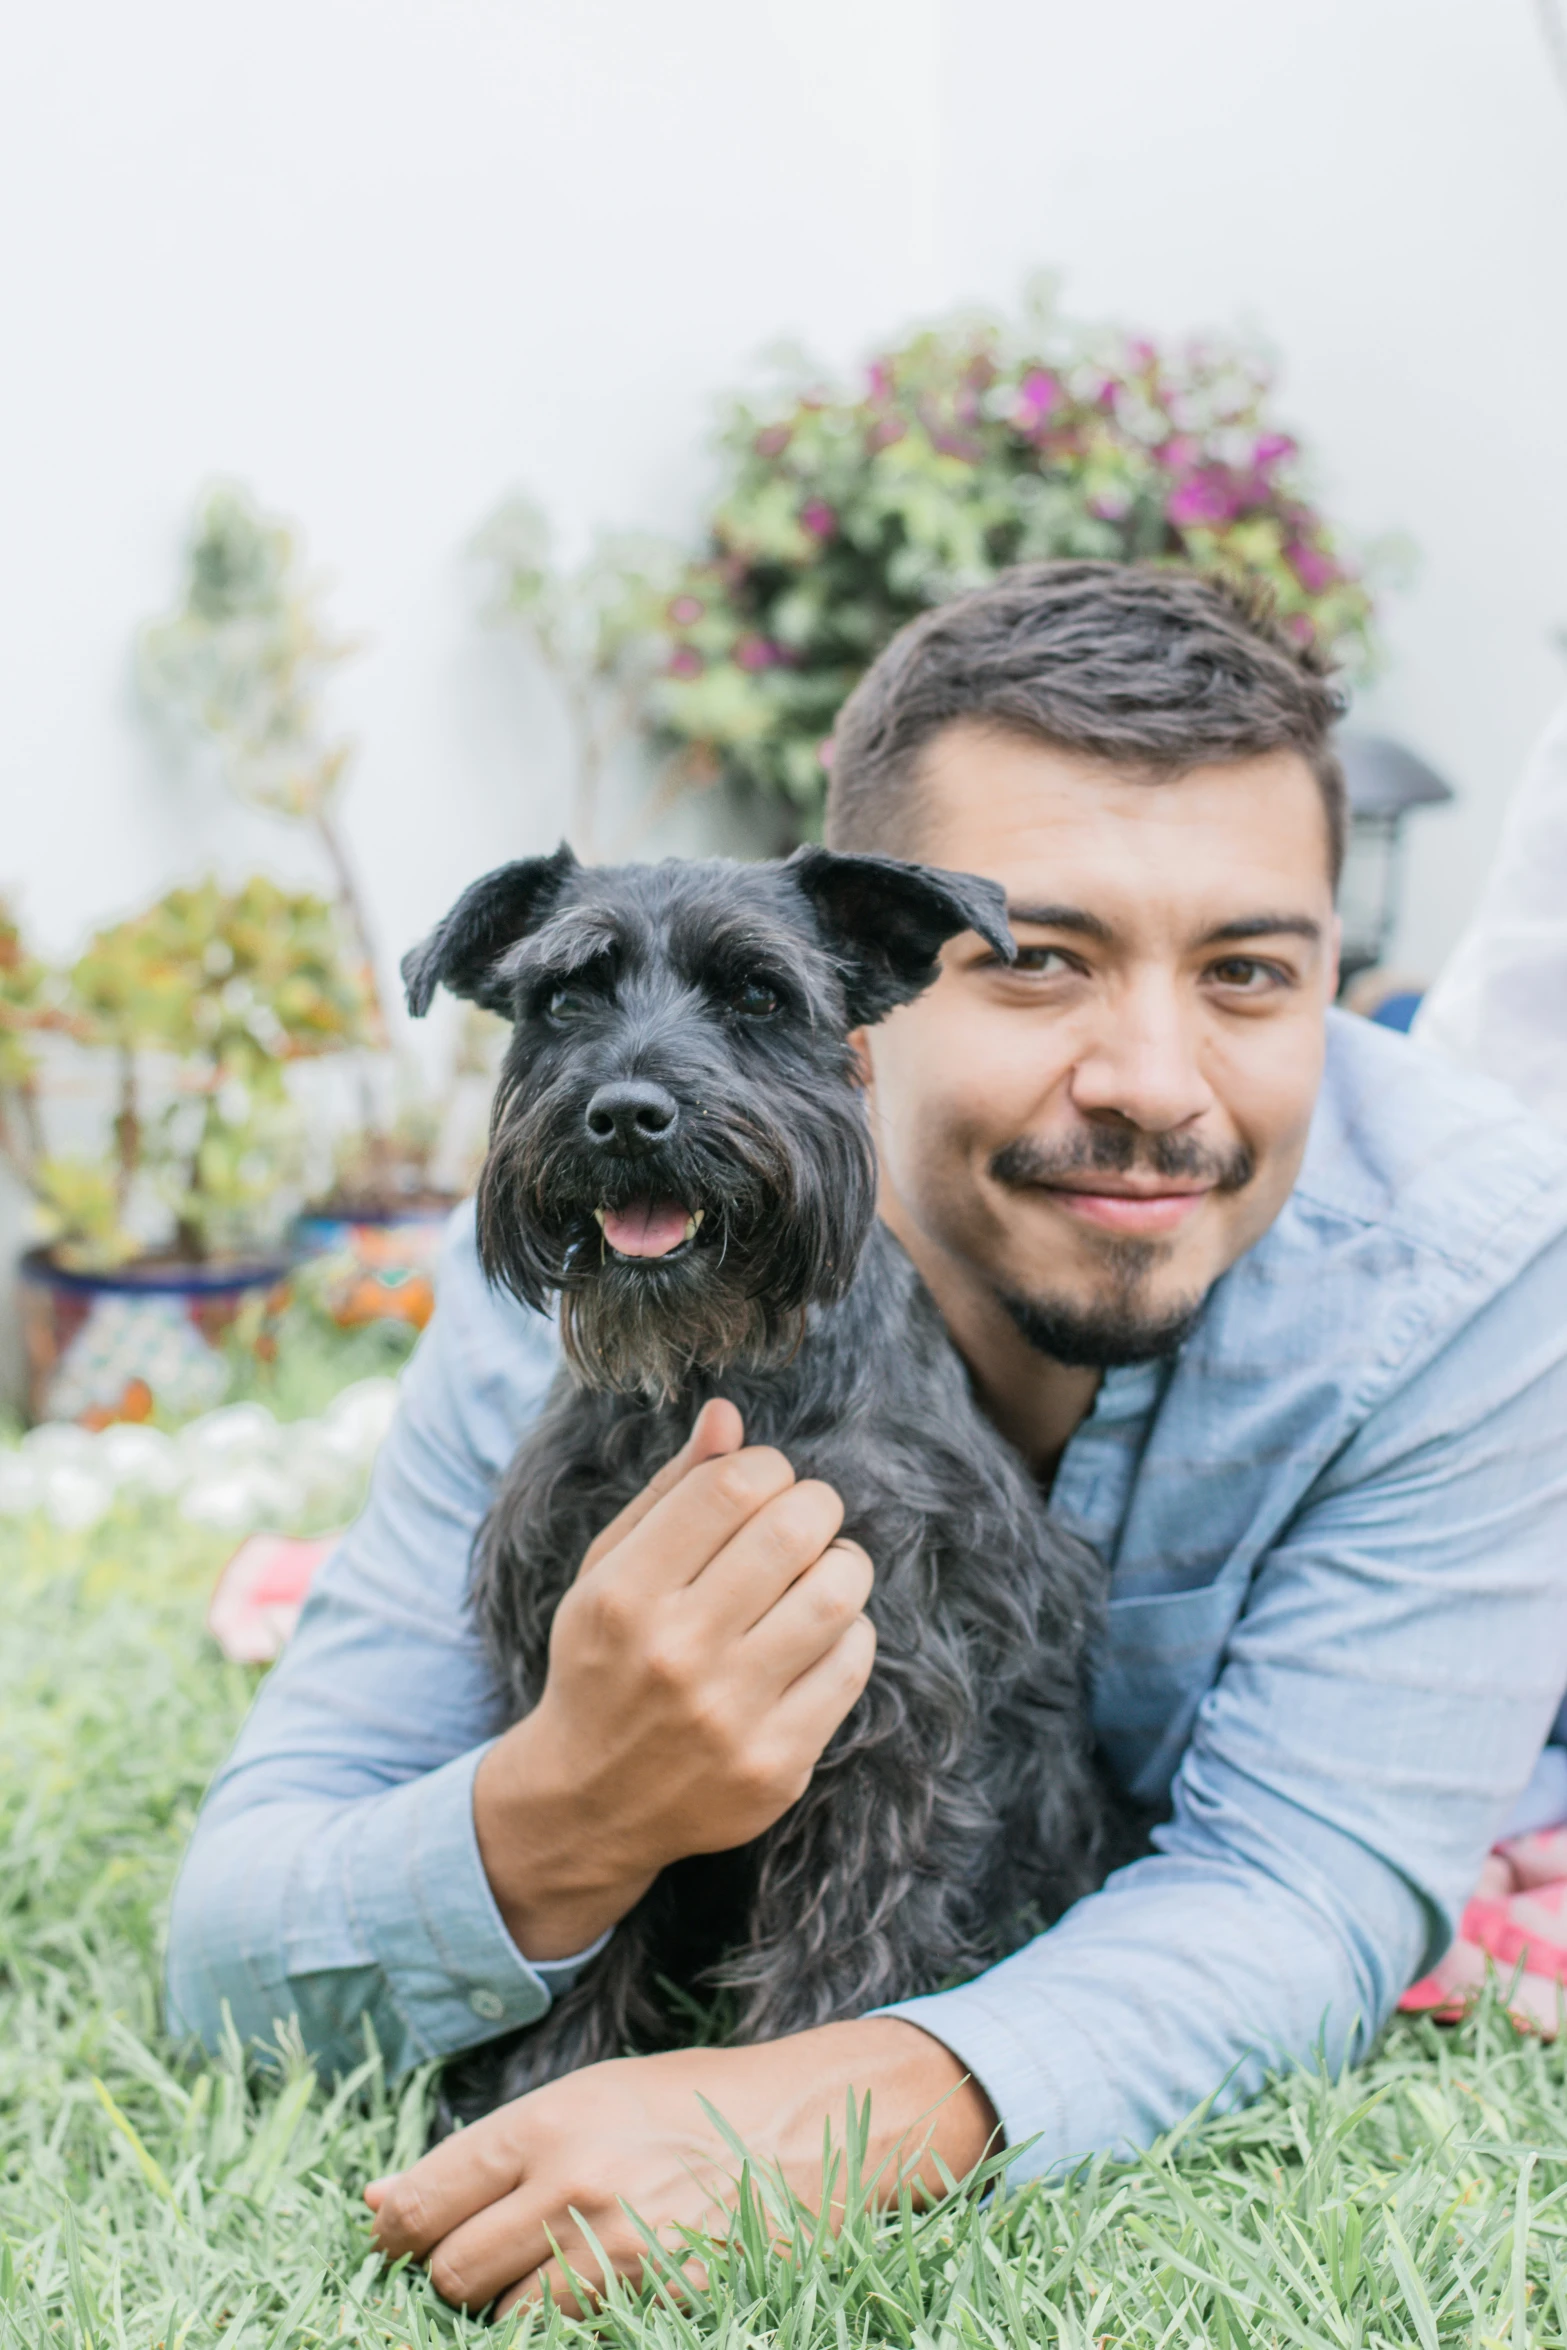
<point x="648" y="1227"/>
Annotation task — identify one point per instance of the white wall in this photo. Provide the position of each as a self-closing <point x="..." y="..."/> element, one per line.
<point x="383" y="258"/>
<point x="1380" y="186"/>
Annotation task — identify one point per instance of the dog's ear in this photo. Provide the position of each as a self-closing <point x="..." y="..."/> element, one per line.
<point x="461" y="953"/>
<point x="887" y="922"/>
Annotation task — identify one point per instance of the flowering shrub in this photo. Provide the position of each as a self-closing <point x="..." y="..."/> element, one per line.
<point x="846" y="513"/>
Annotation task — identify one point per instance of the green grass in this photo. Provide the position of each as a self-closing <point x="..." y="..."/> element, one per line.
<point x="145" y="2202"/>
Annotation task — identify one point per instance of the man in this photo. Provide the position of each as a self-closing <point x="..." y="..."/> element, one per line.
<point x="1276" y="1306"/>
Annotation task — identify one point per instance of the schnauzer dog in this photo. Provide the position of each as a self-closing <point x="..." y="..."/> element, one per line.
<point x="680" y="1155"/>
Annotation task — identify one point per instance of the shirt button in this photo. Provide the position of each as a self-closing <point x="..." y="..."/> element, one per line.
<point x="488" y="2004"/>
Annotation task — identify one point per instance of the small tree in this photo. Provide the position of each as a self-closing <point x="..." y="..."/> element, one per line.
<point x="240" y="664"/>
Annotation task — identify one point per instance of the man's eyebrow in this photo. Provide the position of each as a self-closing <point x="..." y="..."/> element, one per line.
<point x="1075" y="918"/>
<point x="1263" y="926"/>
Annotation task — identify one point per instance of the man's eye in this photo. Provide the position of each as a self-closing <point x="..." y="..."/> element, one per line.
<point x="1245" y="975"/>
<point x="1042" y="962"/>
<point x="754" y="998"/>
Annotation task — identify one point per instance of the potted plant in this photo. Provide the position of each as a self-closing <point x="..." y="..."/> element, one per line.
<point x="240" y="666"/>
<point x="846" y="511"/>
<point x="153" y="1247"/>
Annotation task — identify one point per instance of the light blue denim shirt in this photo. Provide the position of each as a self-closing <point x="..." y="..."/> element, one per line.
<point x="1336" y="1532"/>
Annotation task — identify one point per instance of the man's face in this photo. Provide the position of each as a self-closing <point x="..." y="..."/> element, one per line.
<point x="1092" y="1136"/>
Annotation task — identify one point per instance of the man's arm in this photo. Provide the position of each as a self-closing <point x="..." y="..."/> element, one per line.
<point x="334" y="1871"/>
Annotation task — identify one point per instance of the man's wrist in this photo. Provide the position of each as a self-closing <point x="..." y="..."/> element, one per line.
<point x="557" y="1881"/>
<point x="934" y="2115"/>
<point x="925" y="2112"/>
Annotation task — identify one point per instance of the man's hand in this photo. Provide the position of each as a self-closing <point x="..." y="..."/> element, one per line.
<point x="714" y="1639"/>
<point x="487" y="2206"/>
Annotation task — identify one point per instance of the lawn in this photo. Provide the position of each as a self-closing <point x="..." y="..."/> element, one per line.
<point x="147" y="2201"/>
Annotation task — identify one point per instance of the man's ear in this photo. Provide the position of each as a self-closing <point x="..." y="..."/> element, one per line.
<point x="887" y="922"/>
<point x="462" y="951"/>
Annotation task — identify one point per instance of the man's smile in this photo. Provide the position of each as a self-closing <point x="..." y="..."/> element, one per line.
<point x="1137" y="1211"/>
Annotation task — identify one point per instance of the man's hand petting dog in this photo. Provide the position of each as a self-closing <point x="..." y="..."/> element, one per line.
<point x="714" y="1639"/>
<point x="490" y="2208"/>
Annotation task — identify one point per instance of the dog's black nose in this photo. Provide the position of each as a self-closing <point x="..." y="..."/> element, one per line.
<point x="633" y="1116"/>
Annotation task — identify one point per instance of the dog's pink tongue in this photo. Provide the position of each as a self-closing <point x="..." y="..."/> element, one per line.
<point x="647" y="1228"/>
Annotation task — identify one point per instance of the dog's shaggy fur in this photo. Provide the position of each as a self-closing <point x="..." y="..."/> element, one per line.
<point x="959" y="1807"/>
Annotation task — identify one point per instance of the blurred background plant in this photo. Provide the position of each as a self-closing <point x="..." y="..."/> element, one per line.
<point x="240" y="667"/>
<point x="28" y="1010"/>
<point x="201" y="1002"/>
<point x="597" y="629"/>
<point x="845" y="511"/>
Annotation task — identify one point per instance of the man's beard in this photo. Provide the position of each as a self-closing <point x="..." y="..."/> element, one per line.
<point x="1115" y="1328"/>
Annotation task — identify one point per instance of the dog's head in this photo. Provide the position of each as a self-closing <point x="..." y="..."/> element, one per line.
<point x="679" y="1146"/>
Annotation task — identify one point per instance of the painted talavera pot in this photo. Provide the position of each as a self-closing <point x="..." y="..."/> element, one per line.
<point x="375" y="1267"/>
<point x="141" y="1340"/>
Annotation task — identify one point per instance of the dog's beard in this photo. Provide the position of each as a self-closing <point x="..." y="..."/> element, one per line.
<point x="785" y="1211"/>
<point x="1118" y="1325"/>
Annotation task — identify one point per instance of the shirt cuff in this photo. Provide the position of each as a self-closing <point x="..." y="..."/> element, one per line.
<point x="425" y="1914"/>
<point x="1039" y="2105"/>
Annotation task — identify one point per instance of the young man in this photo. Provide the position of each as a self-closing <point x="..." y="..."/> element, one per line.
<point x="1274" y="1303"/>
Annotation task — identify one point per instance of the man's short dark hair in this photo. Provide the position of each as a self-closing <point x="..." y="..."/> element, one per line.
<point x="1149" y="667"/>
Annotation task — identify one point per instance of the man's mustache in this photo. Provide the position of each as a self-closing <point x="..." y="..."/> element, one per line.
<point x="1028" y="1164"/>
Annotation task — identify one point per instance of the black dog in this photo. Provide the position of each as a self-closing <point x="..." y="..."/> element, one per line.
<point x="680" y="1154"/>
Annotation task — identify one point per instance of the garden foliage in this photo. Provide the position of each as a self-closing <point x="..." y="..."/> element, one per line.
<point x="214" y="993"/>
<point x="846" y="511"/>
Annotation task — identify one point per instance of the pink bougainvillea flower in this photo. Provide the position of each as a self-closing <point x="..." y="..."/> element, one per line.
<point x="1273" y="448"/>
<point x="772" y="440"/>
<point x="1205" y="497"/>
<point x="684" y="609"/>
<point x="756" y="652"/>
<point x="1178" y="454"/>
<point x="884" y="432"/>
<point x="878" y="380"/>
<point x="1300" y="628"/>
<point x="818" y="518"/>
<point x="1037" y="396"/>
<point x="1313" y="567"/>
<point x="685" y="661"/>
<point x="825" y="751"/>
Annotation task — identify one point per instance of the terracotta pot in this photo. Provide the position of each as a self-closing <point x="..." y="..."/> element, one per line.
<point x="377" y="1267"/>
<point x="144" y="1338"/>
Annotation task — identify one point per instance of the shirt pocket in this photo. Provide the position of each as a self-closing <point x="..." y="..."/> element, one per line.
<point x="1159" y="1658"/>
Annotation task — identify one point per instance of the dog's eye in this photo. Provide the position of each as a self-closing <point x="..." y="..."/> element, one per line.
<point x="754" y="998"/>
<point x="569" y="1000"/>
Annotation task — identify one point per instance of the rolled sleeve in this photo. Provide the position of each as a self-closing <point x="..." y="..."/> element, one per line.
<point x="1383" y="1697"/>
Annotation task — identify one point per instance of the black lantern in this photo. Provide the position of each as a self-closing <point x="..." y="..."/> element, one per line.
<point x="1384" y="780"/>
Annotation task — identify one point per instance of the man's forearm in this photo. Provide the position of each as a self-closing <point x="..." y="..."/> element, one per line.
<point x="329" y="1911"/>
<point x="558" y="1878"/>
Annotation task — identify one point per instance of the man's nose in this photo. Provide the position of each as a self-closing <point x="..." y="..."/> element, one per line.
<point x="630" y="1117"/>
<point x="1142" y="1062"/>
